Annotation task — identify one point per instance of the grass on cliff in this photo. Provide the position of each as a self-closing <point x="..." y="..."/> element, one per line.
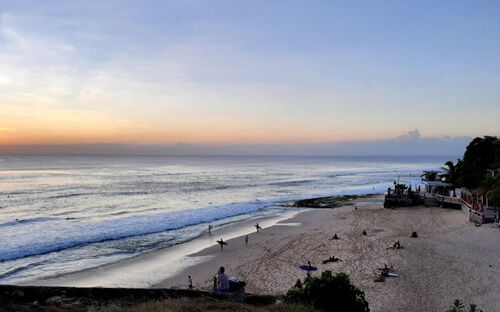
<point x="204" y="304"/>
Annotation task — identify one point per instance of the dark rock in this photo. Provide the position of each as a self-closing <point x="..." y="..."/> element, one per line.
<point x="55" y="300"/>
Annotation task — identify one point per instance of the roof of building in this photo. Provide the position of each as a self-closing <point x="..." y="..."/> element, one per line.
<point x="436" y="183"/>
<point x="479" y="191"/>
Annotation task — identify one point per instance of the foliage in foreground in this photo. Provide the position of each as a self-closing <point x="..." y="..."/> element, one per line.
<point x="459" y="306"/>
<point x="329" y="293"/>
<point x="207" y="304"/>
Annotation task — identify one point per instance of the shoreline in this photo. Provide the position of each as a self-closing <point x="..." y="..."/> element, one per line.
<point x="141" y="271"/>
<point x="179" y="256"/>
<point x="293" y="225"/>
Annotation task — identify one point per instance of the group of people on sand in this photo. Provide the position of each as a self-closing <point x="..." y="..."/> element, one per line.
<point x="386" y="271"/>
<point x="222" y="243"/>
<point x="383" y="272"/>
<point x="335" y="236"/>
<point x="331" y="259"/>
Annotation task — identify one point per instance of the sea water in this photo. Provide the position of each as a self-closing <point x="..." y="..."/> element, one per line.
<point x="60" y="214"/>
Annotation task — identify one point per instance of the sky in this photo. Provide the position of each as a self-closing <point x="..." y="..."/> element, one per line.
<point x="240" y="73"/>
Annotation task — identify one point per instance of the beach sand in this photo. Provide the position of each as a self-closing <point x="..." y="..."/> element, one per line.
<point x="451" y="259"/>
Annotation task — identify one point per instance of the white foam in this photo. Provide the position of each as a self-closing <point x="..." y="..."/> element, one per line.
<point x="56" y="234"/>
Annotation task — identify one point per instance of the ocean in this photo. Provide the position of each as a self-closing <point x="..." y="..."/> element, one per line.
<point x="61" y="214"/>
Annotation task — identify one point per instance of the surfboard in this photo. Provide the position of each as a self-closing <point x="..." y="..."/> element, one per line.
<point x="304" y="267"/>
<point x="223" y="243"/>
<point x="392" y="274"/>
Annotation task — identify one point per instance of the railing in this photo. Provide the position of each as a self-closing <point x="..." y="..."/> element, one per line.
<point x="469" y="200"/>
<point x="472" y="202"/>
<point x="448" y="199"/>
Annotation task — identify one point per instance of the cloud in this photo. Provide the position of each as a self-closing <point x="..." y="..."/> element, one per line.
<point x="411" y="135"/>
<point x="181" y="69"/>
<point x="410" y="144"/>
<point x="35" y="62"/>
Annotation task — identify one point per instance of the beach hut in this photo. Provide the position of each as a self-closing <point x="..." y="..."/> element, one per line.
<point x="435" y="189"/>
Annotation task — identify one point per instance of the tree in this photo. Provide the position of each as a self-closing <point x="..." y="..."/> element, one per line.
<point x="491" y="186"/>
<point x="330" y="293"/>
<point x="481" y="154"/>
<point x="450" y="172"/>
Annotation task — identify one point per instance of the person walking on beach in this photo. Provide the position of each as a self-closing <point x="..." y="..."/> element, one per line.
<point x="210" y="227"/>
<point x="223" y="280"/>
<point x="246" y="240"/>
<point x="190" y="283"/>
<point x="257" y="226"/>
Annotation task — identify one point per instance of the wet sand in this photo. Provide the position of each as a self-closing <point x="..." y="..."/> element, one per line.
<point x="148" y="269"/>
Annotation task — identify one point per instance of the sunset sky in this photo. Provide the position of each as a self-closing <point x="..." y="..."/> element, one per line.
<point x="246" y="72"/>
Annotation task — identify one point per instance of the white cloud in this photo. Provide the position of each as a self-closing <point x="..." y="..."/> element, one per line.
<point x="5" y="80"/>
<point x="35" y="63"/>
<point x="411" y="135"/>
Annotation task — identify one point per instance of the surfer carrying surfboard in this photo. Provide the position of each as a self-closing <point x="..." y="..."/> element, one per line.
<point x="308" y="267"/>
<point x="258" y="227"/>
<point x="221" y="243"/>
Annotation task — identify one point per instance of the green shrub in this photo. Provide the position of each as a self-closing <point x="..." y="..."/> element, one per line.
<point x="459" y="306"/>
<point x="330" y="293"/>
<point x="260" y="300"/>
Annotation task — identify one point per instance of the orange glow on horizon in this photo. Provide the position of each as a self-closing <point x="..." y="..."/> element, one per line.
<point x="45" y="122"/>
<point x="141" y="137"/>
<point x="190" y="133"/>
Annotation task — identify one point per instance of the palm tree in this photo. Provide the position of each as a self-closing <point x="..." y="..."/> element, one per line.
<point x="450" y="172"/>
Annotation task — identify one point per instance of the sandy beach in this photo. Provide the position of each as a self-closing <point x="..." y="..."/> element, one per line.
<point x="450" y="259"/>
